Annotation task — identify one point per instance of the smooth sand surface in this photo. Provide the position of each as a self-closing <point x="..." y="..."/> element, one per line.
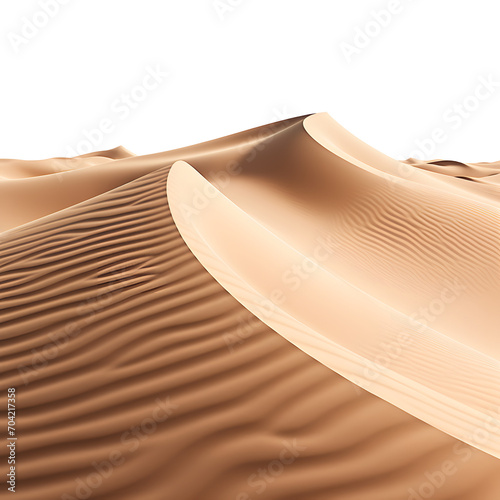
<point x="141" y="375"/>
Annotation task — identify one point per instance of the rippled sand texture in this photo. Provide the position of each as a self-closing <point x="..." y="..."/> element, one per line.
<point x="130" y="359"/>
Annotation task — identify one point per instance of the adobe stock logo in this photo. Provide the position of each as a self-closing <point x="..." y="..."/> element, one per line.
<point x="365" y="34"/>
<point x="455" y="116"/>
<point x="31" y="26"/>
<point x="436" y="478"/>
<point x="120" y="109"/>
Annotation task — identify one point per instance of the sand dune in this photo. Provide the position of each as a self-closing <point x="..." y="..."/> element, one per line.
<point x="317" y="245"/>
<point x="152" y="354"/>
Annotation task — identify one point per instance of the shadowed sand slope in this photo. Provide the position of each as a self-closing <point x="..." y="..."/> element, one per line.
<point x="139" y="376"/>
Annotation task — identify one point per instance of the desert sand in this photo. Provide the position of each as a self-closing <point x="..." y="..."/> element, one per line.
<point x="284" y="313"/>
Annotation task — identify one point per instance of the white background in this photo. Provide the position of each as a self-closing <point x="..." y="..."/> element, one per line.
<point x="235" y="64"/>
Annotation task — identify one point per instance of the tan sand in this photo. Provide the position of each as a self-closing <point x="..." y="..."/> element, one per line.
<point x="124" y="349"/>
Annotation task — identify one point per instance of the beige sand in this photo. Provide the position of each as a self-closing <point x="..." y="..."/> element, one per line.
<point x="124" y="348"/>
